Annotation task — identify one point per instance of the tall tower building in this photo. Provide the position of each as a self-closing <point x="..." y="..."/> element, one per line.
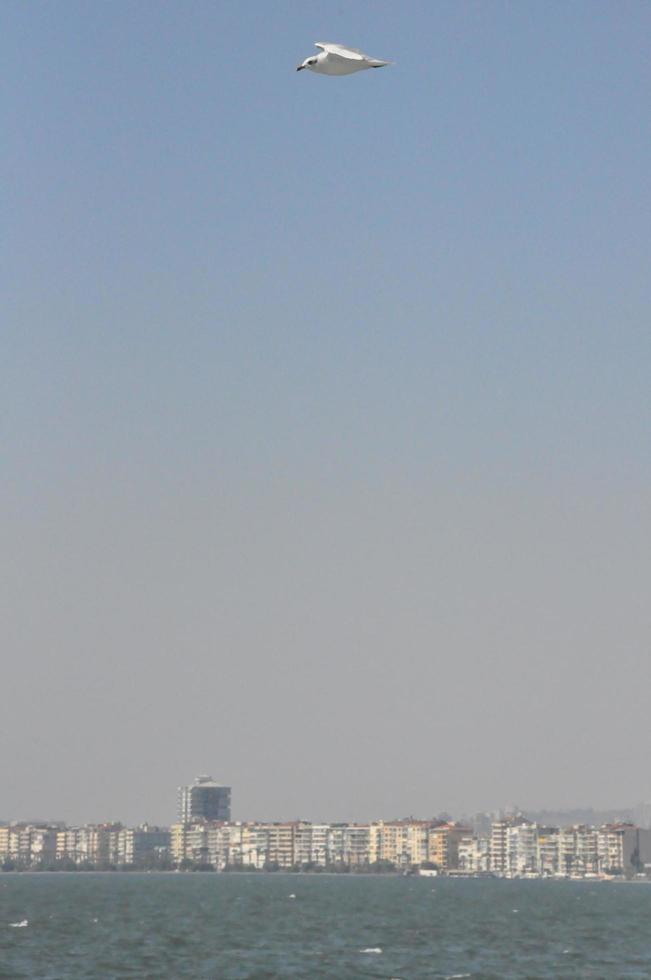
<point x="204" y="799"/>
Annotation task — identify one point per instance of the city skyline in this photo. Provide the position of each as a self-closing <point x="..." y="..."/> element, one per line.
<point x="205" y="836"/>
<point x="509" y="847"/>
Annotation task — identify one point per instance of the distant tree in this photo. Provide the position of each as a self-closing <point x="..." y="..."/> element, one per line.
<point x="155" y="861"/>
<point x="338" y="868"/>
<point x="64" y="864"/>
<point x="382" y="867"/>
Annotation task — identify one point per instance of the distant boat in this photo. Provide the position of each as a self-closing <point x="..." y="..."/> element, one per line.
<point x="428" y="872"/>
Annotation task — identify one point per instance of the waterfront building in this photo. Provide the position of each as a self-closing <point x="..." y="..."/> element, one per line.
<point x="443" y="845"/>
<point x="138" y="845"/>
<point x="254" y="846"/>
<point x="5" y="831"/>
<point x="177" y="842"/>
<point x="20" y="844"/>
<point x="336" y="844"/>
<point x="356" y="844"/>
<point x="417" y="841"/>
<point x="242" y="845"/>
<point x="399" y="842"/>
<point x="326" y="845"/>
<point x="566" y="840"/>
<point x="204" y="799"/>
<point x="66" y="844"/>
<point x="101" y="841"/>
<point x="190" y="842"/>
<point x="42" y="846"/>
<point x="623" y="848"/>
<point x="313" y="844"/>
<point x="499" y="846"/>
<point x="28" y="846"/>
<point x="473" y="854"/>
<point x="388" y="843"/>
<point x="521" y="849"/>
<point x="279" y="844"/>
<point x="586" y="851"/>
<point x="548" y="851"/>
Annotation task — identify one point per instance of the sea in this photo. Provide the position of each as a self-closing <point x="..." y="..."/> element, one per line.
<point x="58" y="926"/>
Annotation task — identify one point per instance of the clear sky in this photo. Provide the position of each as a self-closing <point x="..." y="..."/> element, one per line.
<point x="326" y="453"/>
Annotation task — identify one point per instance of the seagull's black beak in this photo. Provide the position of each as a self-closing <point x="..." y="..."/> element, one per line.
<point x="300" y="68"/>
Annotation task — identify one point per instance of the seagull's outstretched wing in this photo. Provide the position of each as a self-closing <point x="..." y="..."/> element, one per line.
<point x="352" y="54"/>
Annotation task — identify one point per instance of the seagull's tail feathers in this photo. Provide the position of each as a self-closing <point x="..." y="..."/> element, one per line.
<point x="376" y="63"/>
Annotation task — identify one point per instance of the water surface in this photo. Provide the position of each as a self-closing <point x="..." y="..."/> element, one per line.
<point x="232" y="926"/>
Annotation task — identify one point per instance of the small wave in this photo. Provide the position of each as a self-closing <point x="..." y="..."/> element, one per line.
<point x="292" y="895"/>
<point x="457" y="976"/>
<point x="19" y="925"/>
<point x="371" y="949"/>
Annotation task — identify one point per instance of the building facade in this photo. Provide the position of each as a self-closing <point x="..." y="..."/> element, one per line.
<point x="204" y="800"/>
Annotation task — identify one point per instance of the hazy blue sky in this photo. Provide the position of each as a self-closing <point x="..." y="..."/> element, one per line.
<point x="326" y="421"/>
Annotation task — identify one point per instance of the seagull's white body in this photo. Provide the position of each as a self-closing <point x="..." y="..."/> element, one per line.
<point x="335" y="59"/>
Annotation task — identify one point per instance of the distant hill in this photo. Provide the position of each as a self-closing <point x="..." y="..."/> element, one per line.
<point x="640" y="815"/>
<point x="587" y="815"/>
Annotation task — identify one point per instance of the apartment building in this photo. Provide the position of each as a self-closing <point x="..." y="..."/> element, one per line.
<point x="137" y="845"/>
<point x="4" y="841"/>
<point x="623" y="848"/>
<point x="443" y="843"/>
<point x="399" y="842"/>
<point x="548" y="863"/>
<point x="25" y="845"/>
<point x="522" y="849"/>
<point x="499" y="846"/>
<point x="356" y="839"/>
<point x="473" y="854"/>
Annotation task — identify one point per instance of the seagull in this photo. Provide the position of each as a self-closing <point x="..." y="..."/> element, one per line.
<point x="335" y="59"/>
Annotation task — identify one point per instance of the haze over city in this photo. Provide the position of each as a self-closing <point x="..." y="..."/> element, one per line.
<point x="326" y="458"/>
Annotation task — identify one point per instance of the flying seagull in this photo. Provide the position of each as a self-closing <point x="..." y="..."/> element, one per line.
<point x="335" y="59"/>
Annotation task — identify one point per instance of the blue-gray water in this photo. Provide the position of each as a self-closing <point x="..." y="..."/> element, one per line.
<point x="166" y="927"/>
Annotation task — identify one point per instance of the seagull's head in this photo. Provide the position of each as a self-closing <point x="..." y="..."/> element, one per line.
<point x="308" y="63"/>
